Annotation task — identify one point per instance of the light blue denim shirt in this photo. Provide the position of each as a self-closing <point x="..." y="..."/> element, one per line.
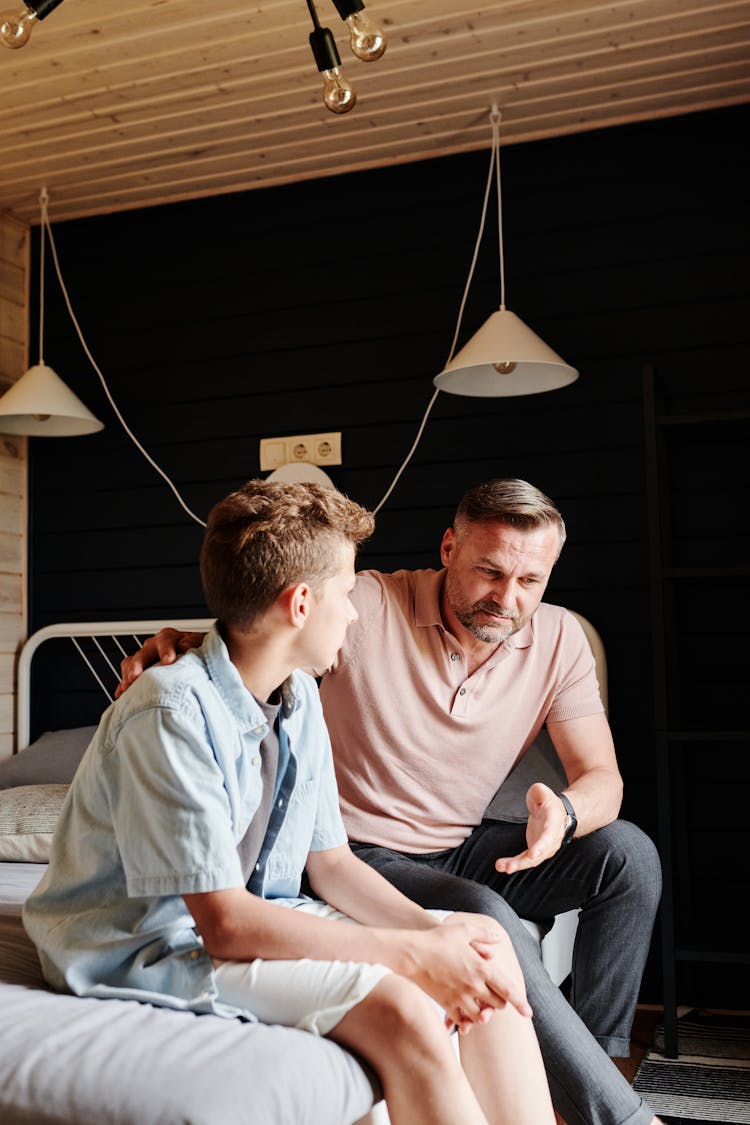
<point x="163" y="795"/>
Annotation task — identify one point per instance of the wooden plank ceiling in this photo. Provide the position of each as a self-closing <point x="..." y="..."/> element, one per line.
<point x="114" y="105"/>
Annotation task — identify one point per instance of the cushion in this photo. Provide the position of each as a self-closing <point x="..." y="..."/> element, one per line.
<point x="28" y="816"/>
<point x="54" y="757"/>
<point x="539" y="763"/>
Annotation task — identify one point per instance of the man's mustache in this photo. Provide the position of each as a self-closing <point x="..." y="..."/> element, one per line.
<point x="497" y="610"/>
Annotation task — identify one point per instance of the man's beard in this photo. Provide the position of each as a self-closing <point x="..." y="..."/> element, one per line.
<point x="491" y="634"/>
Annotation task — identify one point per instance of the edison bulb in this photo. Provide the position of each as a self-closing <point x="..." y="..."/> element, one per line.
<point x="338" y="95"/>
<point x="504" y="367"/>
<point x="366" y="39"/>
<point x="16" y="27"/>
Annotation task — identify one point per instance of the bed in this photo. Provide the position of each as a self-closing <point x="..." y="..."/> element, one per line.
<point x="66" y="1060"/>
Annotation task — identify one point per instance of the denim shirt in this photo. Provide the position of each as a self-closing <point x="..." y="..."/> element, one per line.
<point x="163" y="795"/>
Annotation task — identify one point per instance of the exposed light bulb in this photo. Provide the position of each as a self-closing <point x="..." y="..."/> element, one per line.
<point x="366" y="39"/>
<point x="504" y="367"/>
<point x="16" y="27"/>
<point x="338" y="95"/>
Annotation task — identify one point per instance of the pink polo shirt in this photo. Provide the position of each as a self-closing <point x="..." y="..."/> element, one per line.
<point x="421" y="747"/>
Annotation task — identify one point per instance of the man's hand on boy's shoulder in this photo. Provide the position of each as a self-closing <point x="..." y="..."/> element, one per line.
<point x="164" y="648"/>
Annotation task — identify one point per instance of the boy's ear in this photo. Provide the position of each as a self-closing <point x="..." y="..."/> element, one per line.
<point x="297" y="603"/>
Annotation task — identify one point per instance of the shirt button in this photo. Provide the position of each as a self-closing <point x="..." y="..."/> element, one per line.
<point x="257" y="867"/>
<point x="255" y="760"/>
<point x="195" y="954"/>
<point x="455" y="656"/>
<point x="462" y="691"/>
<point x="281" y="802"/>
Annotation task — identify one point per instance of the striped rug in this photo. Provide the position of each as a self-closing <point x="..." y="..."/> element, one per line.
<point x="710" y="1081"/>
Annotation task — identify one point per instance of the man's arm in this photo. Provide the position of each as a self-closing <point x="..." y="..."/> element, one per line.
<point x="450" y="962"/>
<point x="587" y="752"/>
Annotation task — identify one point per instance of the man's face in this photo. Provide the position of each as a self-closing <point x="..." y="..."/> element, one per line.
<point x="496" y="576"/>
<point x="331" y="614"/>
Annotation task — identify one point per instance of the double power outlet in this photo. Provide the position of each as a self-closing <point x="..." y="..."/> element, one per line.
<point x="311" y="449"/>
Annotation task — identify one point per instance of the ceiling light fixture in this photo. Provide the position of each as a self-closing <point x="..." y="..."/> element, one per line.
<point x="40" y="404"/>
<point x="338" y="95"/>
<point x="16" y="26"/>
<point x="504" y="357"/>
<point x="366" y="39"/>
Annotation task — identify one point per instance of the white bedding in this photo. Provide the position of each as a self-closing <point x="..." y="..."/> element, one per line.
<point x="17" y="880"/>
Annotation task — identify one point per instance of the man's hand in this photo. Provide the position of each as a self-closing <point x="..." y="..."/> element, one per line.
<point x="544" y="830"/>
<point x="164" y="648"/>
<point x="467" y="964"/>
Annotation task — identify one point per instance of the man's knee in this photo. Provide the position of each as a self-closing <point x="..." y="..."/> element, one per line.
<point x="634" y="854"/>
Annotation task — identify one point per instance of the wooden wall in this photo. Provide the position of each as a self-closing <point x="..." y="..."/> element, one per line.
<point x="14" y="279"/>
<point x="330" y="305"/>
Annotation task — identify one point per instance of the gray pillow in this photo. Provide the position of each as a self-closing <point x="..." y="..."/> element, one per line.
<point x="539" y="763"/>
<point x="52" y="759"/>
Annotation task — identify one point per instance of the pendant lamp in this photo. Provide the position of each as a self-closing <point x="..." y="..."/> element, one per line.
<point x="40" y="404"/>
<point x="504" y="357"/>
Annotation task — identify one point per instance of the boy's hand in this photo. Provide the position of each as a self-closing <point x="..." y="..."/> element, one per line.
<point x="467" y="964"/>
<point x="164" y="648"/>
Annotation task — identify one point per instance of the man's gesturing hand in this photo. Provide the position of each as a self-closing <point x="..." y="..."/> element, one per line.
<point x="544" y="830"/>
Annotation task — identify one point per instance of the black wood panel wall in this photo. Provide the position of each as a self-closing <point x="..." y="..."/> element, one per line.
<point x="330" y="305"/>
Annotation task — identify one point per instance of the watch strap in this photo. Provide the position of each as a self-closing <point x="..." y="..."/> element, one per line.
<point x="572" y="821"/>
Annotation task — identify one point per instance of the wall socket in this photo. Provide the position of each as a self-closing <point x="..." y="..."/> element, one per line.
<point x="310" y="449"/>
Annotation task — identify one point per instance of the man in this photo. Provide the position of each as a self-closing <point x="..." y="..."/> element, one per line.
<point x="175" y="872"/>
<point x="441" y="686"/>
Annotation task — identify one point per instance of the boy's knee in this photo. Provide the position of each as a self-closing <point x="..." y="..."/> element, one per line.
<point x="400" y="1009"/>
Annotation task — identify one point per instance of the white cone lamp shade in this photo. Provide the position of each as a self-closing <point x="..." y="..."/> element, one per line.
<point x="40" y="405"/>
<point x="504" y="358"/>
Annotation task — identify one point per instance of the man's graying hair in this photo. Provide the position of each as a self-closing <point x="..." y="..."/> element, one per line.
<point x="513" y="502"/>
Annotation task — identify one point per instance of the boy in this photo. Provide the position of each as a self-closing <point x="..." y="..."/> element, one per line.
<point x="208" y="788"/>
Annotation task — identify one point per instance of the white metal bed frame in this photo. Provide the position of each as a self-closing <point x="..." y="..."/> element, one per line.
<point x="77" y="631"/>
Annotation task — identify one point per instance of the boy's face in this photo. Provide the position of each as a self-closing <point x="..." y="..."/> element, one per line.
<point x="332" y="613"/>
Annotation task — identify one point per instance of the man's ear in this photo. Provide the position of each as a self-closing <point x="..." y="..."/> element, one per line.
<point x="447" y="545"/>
<point x="297" y="603"/>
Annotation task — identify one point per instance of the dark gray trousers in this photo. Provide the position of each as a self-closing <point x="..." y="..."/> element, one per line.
<point x="614" y="876"/>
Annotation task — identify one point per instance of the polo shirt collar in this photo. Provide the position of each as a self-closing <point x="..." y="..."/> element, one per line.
<point x="228" y="682"/>
<point x="428" y="589"/>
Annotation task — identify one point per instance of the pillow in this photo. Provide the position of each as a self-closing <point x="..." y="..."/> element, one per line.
<point x="54" y="757"/>
<point x="28" y="816"/>
<point x="539" y="763"/>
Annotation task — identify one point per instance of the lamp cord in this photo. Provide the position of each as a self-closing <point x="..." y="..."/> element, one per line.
<point x="494" y="166"/>
<point x="46" y="226"/>
<point x="313" y="14"/>
<point x="43" y="200"/>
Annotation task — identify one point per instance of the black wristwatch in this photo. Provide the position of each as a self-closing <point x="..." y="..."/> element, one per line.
<point x="571" y="820"/>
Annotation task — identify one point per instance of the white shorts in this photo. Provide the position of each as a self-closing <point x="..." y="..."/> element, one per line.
<point x="311" y="995"/>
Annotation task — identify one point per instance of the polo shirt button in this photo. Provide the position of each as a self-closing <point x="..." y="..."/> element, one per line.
<point x="255" y="760"/>
<point x="462" y="691"/>
<point x="455" y="656"/>
<point x="281" y="802"/>
<point x="257" y="867"/>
